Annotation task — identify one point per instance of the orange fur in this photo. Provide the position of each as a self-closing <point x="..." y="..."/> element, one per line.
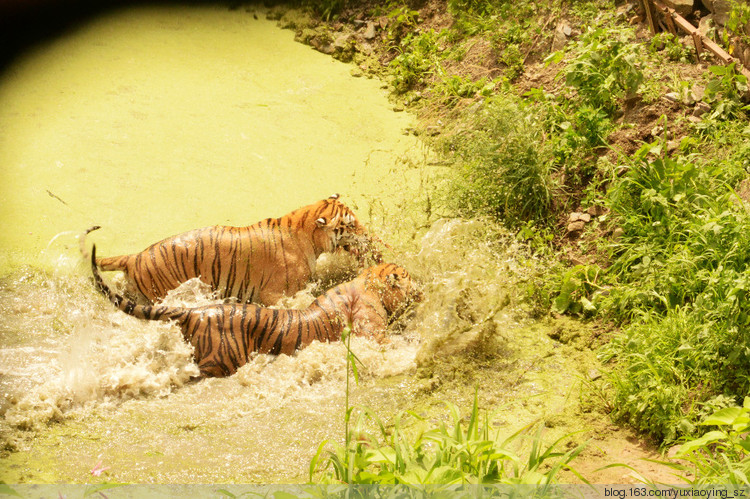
<point x="259" y="263"/>
<point x="225" y="335"/>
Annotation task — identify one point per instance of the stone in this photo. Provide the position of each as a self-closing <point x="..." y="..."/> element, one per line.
<point x="576" y="226"/>
<point x="560" y="39"/>
<point x="595" y="211"/>
<point x="585" y="218"/>
<point x="618" y="233"/>
<point x="721" y="11"/>
<point x="698" y="92"/>
<point x="673" y="96"/>
<point x="700" y="109"/>
<point x="623" y="11"/>
<point x="683" y="7"/>
<point x="342" y="40"/>
<point x="706" y="24"/>
<point x="369" y="31"/>
<point x="574" y="216"/>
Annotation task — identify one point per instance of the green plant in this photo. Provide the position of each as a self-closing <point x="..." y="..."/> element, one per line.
<point x="513" y="60"/>
<point x="604" y="67"/>
<point x="724" y="91"/>
<point x="720" y="456"/>
<point x="401" y="21"/>
<point x="499" y="165"/>
<point x="670" y="45"/>
<point x="679" y="275"/>
<point x="576" y="295"/>
<point x="441" y="455"/>
<point x="417" y="59"/>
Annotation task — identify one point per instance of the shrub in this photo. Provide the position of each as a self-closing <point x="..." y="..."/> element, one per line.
<point x="681" y="277"/>
<point x="604" y="67"/>
<point x="499" y="167"/>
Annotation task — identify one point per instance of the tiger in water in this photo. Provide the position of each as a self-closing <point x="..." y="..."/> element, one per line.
<point x="224" y="335"/>
<point x="255" y="264"/>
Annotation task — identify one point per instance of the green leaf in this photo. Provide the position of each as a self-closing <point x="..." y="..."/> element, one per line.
<point x="699" y="443"/>
<point x="6" y="490"/>
<point x="723" y="417"/>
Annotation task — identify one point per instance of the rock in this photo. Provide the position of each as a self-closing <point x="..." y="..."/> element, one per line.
<point x="585" y="218"/>
<point x="672" y="146"/>
<point x="700" y="109"/>
<point x="673" y="96"/>
<point x="623" y="11"/>
<point x="365" y="48"/>
<point x="694" y="119"/>
<point x="370" y="31"/>
<point x="698" y="92"/>
<point x="618" y="233"/>
<point x="574" y="216"/>
<point x="577" y="226"/>
<point x="683" y="7"/>
<point x="562" y="33"/>
<point x="706" y="24"/>
<point x="637" y="19"/>
<point x="343" y="42"/>
<point x="721" y="11"/>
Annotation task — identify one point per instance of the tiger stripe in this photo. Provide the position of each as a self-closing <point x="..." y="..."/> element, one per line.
<point x="225" y="335"/>
<point x="259" y="263"/>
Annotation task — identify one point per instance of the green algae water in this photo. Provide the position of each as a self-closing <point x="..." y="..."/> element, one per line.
<point x="155" y="120"/>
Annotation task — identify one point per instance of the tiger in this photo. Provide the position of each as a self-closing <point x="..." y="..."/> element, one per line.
<point x="259" y="263"/>
<point x="224" y="335"/>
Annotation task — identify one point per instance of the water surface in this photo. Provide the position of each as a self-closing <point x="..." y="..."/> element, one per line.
<point x="154" y="120"/>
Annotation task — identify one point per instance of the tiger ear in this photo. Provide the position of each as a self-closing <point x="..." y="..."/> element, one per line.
<point x="321" y="222"/>
<point x="391" y="279"/>
<point x="335" y="195"/>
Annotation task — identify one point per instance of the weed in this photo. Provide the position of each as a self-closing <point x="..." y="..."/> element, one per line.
<point x="498" y="164"/>
<point x="417" y="59"/>
<point x="724" y="91"/>
<point x="604" y="67"/>
<point x="720" y="456"/>
<point x="670" y="45"/>
<point x="460" y="454"/>
<point x="679" y="274"/>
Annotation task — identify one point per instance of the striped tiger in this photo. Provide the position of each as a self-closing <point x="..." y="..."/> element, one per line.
<point x="224" y="335"/>
<point x="255" y="264"/>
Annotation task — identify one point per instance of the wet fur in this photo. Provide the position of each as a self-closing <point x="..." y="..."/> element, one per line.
<point x="225" y="335"/>
<point x="259" y="263"/>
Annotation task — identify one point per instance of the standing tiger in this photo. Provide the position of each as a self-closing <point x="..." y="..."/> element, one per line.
<point x="259" y="263"/>
<point x="224" y="335"/>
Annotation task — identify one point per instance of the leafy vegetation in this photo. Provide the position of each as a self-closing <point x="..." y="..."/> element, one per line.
<point x="720" y="456"/>
<point x="500" y="168"/>
<point x="460" y="454"/>
<point x="666" y="262"/>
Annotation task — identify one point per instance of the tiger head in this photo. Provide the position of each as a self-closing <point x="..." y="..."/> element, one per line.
<point x="394" y="286"/>
<point x="336" y="226"/>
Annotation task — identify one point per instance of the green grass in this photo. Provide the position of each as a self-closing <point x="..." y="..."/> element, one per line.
<point x="465" y="452"/>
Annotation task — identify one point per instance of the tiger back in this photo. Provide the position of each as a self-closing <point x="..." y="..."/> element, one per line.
<point x="225" y="335"/>
<point x="259" y="263"/>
